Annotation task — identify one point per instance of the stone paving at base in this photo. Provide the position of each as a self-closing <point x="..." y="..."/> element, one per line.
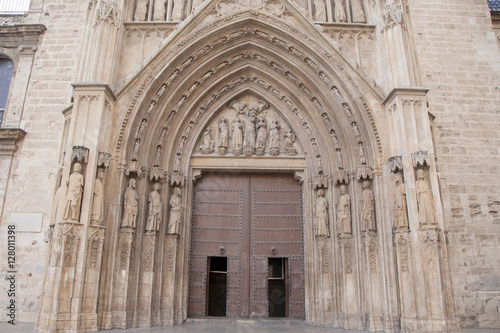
<point x="233" y="326"/>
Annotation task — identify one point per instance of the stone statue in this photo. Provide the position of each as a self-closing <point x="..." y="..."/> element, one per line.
<point x="320" y="9"/>
<point x="289" y="142"/>
<point x="240" y="108"/>
<point x="368" y="208"/>
<point x="157" y="160"/>
<point x="142" y="128"/>
<point x="340" y="160"/>
<point x="174" y="223"/>
<point x="74" y="195"/>
<point x="358" y="15"/>
<point x="159" y="10"/>
<point x="344" y="215"/>
<point x="135" y="151"/>
<point x="339" y="11"/>
<point x="424" y="200"/>
<point x="237" y="137"/>
<point x="97" y="215"/>
<point x="154" y="211"/>
<point x="57" y="212"/>
<point x="177" y="10"/>
<point x="141" y="10"/>
<point x="131" y="205"/>
<point x="361" y="153"/>
<point x="274" y="138"/>
<point x="260" y="144"/>
<point x="321" y="215"/>
<point x="249" y="136"/>
<point x="401" y="212"/>
<point x="207" y="144"/>
<point x="223" y="135"/>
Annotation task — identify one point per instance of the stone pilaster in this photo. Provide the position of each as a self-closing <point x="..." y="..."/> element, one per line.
<point x="168" y="294"/>
<point x="350" y="305"/>
<point x="146" y="279"/>
<point x="121" y="279"/>
<point x="406" y="285"/>
<point x="374" y="297"/>
<point x="327" y="282"/>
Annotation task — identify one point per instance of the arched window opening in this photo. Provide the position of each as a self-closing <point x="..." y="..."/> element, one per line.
<point x="6" y="67"/>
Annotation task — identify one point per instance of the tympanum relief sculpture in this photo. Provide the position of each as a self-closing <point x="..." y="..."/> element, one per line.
<point x="130" y="205"/>
<point x="248" y="127"/>
<point x="368" y="208"/>
<point x="154" y="209"/>
<point x="321" y="215"/>
<point x="425" y="202"/>
<point x="74" y="195"/>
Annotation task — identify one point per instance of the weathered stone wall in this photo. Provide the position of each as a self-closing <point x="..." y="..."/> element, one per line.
<point x="460" y="63"/>
<point x="35" y="165"/>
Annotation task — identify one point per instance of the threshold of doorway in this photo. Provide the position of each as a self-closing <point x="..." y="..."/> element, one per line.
<point x="229" y="320"/>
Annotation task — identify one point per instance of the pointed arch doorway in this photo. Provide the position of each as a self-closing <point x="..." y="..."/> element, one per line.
<point x="247" y="253"/>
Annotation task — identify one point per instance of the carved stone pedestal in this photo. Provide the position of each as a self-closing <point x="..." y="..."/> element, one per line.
<point x="327" y="283"/>
<point x="349" y="297"/>
<point x="373" y="283"/>
<point x="146" y="278"/>
<point x="406" y="295"/>
<point x="121" y="280"/>
<point x="88" y="320"/>
<point x="168" y="301"/>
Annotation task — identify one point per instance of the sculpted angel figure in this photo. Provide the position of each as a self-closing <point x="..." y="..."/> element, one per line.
<point x="131" y="205"/>
<point x="154" y="211"/>
<point x="74" y="194"/>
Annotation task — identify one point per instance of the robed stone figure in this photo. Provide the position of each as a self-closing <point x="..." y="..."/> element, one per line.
<point x="155" y="207"/>
<point x="344" y="212"/>
<point x="401" y="212"/>
<point x="174" y="223"/>
<point x="131" y="205"/>
<point x="424" y="200"/>
<point x="97" y="215"/>
<point x="321" y="215"/>
<point x="74" y="195"/>
<point x="368" y="208"/>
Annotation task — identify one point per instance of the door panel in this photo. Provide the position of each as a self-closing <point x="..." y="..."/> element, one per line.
<point x="247" y="215"/>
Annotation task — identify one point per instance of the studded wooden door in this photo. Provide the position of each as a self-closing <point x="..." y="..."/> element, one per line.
<point x="247" y="218"/>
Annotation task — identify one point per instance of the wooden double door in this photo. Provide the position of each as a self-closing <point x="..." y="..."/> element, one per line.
<point x="247" y="253"/>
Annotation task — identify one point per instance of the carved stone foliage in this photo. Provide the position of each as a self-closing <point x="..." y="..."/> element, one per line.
<point x="80" y="154"/>
<point x="256" y="129"/>
<point x="420" y="158"/>
<point x="103" y="160"/>
<point x="364" y="172"/>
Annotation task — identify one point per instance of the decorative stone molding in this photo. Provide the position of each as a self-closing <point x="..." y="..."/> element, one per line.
<point x="177" y="179"/>
<point x="125" y="240"/>
<point x="421" y="158"/>
<point x="134" y="167"/>
<point x="107" y="11"/>
<point x="320" y="181"/>
<point x="80" y="154"/>
<point x="393" y="13"/>
<point x="103" y="159"/>
<point x="395" y="163"/>
<point x="364" y="172"/>
<point x="9" y="137"/>
<point x="148" y="251"/>
<point x="347" y="242"/>
<point x="402" y="241"/>
<point x="341" y="177"/>
<point x="429" y="235"/>
<point x="157" y="173"/>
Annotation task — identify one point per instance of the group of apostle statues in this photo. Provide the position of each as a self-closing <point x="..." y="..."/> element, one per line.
<point x="248" y="133"/>
<point x="426" y="212"/>
<point x="155" y="207"/>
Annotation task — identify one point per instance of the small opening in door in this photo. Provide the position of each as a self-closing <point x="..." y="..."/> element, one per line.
<point x="217" y="286"/>
<point x="277" y="290"/>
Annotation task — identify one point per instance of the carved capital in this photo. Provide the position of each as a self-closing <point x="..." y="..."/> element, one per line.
<point x="320" y="181"/>
<point x="340" y="177"/>
<point x="177" y="179"/>
<point x="420" y="157"/>
<point x="429" y="235"/>
<point x="103" y="159"/>
<point x="80" y="154"/>
<point x="395" y="163"/>
<point x="364" y="172"/>
<point x="156" y="174"/>
<point x="133" y="167"/>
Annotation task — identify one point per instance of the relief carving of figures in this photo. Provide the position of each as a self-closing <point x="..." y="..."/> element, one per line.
<point x="159" y="10"/>
<point x="249" y="133"/>
<point x="142" y="128"/>
<point x="361" y="153"/>
<point x="223" y="135"/>
<point x="174" y="223"/>
<point x="240" y="108"/>
<point x="207" y="145"/>
<point x="131" y="205"/>
<point x="320" y="9"/>
<point x="424" y="200"/>
<point x="237" y="137"/>
<point x="97" y="215"/>
<point x="344" y="215"/>
<point x="339" y="11"/>
<point x="177" y="10"/>
<point x="154" y="211"/>
<point x="358" y="15"/>
<point x="289" y="142"/>
<point x="74" y="195"/>
<point x="135" y="151"/>
<point x="321" y="215"/>
<point x="141" y="10"/>
<point x="156" y="162"/>
<point x="261" y="136"/>
<point x="274" y="138"/>
<point x="401" y="212"/>
<point x="368" y="208"/>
